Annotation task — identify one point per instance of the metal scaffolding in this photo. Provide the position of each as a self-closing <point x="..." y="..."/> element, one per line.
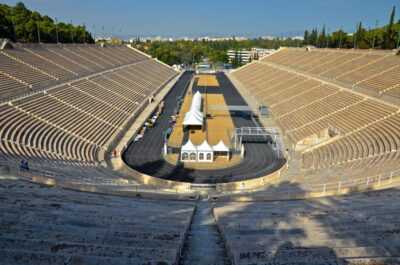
<point x="230" y="108"/>
<point x="273" y="132"/>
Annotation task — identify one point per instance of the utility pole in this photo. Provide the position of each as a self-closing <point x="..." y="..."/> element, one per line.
<point x="340" y="39"/>
<point x="56" y="30"/>
<point x="94" y="29"/>
<point x="38" y="30"/>
<point x="376" y="27"/>
<point x="103" y="31"/>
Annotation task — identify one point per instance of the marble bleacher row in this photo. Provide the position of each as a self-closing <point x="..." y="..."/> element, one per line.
<point x="372" y="150"/>
<point x="375" y="70"/>
<point x="71" y="124"/>
<point x="294" y="99"/>
<point x="43" y="225"/>
<point x="355" y="229"/>
<point x="303" y="106"/>
<point x="29" y="67"/>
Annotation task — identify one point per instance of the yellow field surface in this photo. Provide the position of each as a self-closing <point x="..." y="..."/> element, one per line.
<point x="217" y="127"/>
<point x="206" y="80"/>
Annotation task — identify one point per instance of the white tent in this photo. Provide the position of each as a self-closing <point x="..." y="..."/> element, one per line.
<point x="196" y="101"/>
<point x="189" y="146"/>
<point x="189" y="152"/>
<point x="205" y="147"/>
<point x="205" y="152"/>
<point x="194" y="117"/>
<point x="221" y="148"/>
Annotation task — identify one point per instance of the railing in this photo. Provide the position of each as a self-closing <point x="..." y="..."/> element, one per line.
<point x="110" y="186"/>
<point x="271" y="192"/>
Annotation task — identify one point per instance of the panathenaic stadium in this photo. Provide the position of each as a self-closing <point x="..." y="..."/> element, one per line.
<point x="108" y="156"/>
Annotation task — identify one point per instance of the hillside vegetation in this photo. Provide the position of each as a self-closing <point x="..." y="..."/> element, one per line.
<point x="23" y="25"/>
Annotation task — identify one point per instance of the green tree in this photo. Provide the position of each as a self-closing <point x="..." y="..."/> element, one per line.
<point x="322" y="38"/>
<point x="389" y="35"/>
<point x="313" y="37"/>
<point x="306" y="37"/>
<point x="21" y="24"/>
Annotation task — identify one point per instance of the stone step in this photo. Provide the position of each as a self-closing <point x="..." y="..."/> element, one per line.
<point x="70" y="248"/>
<point x="204" y="260"/>
<point x="283" y="255"/>
<point x="11" y="257"/>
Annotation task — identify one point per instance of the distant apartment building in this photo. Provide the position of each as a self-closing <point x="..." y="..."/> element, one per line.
<point x="248" y="56"/>
<point x="242" y="55"/>
<point x="258" y="53"/>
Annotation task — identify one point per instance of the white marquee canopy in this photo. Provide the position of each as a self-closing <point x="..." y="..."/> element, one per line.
<point x="220" y="147"/>
<point x="194" y="116"/>
<point x="203" y="152"/>
<point x="189" y="147"/>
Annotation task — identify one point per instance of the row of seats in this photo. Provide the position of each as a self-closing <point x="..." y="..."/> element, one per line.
<point x="367" y="130"/>
<point x="305" y="106"/>
<point x="42" y="225"/>
<point x="357" y="229"/>
<point x="375" y="70"/>
<point x="37" y="66"/>
<point x="71" y="124"/>
<point x="374" y="149"/>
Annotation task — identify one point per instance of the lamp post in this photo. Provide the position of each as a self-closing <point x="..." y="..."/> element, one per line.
<point x="327" y="38"/>
<point x="376" y="27"/>
<point x="84" y="33"/>
<point x="15" y="32"/>
<point x="355" y="37"/>
<point x="72" y="32"/>
<point x="38" y="30"/>
<point x="56" y="30"/>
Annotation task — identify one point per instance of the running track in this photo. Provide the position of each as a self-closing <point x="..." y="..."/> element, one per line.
<point x="145" y="155"/>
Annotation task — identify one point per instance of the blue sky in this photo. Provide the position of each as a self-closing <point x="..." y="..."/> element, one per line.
<point x="215" y="17"/>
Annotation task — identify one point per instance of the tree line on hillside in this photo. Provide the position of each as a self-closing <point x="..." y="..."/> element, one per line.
<point x="188" y="52"/>
<point x="387" y="37"/>
<point x="23" y="25"/>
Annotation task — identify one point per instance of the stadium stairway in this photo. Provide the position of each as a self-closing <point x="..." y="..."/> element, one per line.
<point x="203" y="243"/>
